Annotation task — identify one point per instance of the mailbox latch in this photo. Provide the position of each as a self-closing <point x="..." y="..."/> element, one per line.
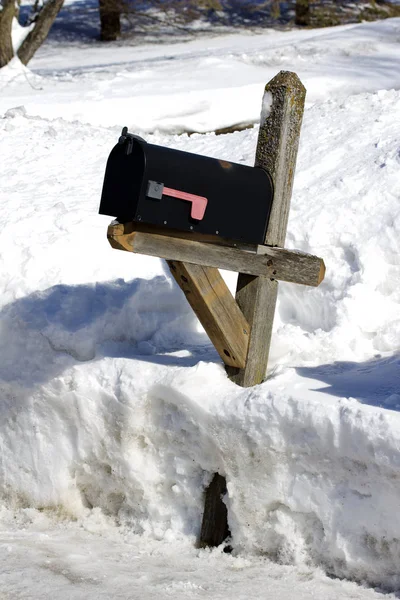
<point x="157" y="190"/>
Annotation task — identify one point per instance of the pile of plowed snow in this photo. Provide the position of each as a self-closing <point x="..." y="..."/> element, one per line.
<point x="113" y="398"/>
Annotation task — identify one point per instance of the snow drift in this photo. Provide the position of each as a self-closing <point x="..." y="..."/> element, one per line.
<point x="112" y="398"/>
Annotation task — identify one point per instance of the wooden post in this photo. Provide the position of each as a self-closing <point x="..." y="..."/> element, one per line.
<point x="278" y="141"/>
<point x="214" y="528"/>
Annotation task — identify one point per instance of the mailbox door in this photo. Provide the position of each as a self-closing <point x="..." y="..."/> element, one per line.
<point x="123" y="182"/>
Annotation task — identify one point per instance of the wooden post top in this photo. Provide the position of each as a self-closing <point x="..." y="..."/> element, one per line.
<point x="278" y="141"/>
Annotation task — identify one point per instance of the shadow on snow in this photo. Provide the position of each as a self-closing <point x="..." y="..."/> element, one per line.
<point x="47" y="332"/>
<point x="149" y="320"/>
<point x="375" y="382"/>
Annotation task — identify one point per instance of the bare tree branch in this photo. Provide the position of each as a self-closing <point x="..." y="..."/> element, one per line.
<point x="9" y="10"/>
<point x="42" y="24"/>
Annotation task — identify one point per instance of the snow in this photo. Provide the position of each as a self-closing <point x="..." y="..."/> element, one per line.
<point x="207" y="83"/>
<point x="19" y="33"/>
<point x="266" y="106"/>
<point x="115" y="409"/>
<point x="76" y="563"/>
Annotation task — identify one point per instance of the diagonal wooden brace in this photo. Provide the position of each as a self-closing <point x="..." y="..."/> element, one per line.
<point x="216" y="309"/>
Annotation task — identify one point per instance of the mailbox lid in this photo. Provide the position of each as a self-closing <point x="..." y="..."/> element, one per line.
<point x="239" y="198"/>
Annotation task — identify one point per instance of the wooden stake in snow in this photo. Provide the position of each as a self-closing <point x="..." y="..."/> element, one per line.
<point x="278" y="142"/>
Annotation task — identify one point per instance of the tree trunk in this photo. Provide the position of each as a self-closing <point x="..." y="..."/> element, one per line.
<point x="36" y="37"/>
<point x="9" y="10"/>
<point x="110" y="20"/>
<point x="275" y="9"/>
<point x="302" y="12"/>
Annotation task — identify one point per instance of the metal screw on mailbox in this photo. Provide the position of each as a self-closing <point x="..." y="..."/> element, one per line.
<point x="191" y="227"/>
<point x="165" y="222"/>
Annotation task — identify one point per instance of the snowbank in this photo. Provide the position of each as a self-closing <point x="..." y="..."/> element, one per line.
<point x="113" y="399"/>
<point x="205" y="84"/>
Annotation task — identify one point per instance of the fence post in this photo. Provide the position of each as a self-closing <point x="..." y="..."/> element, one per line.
<point x="278" y="141"/>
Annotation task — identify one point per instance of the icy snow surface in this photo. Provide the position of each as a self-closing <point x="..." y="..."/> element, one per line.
<point x="115" y="409"/>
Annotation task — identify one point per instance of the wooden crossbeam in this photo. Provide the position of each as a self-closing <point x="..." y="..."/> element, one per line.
<point x="274" y="263"/>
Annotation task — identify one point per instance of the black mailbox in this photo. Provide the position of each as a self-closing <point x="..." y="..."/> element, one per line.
<point x="178" y="190"/>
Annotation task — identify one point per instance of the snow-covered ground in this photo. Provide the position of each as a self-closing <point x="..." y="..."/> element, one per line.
<point x="201" y="85"/>
<point x="115" y="409"/>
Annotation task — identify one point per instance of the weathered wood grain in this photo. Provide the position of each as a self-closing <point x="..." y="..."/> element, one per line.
<point x="277" y="146"/>
<point x="216" y="309"/>
<point x="278" y="140"/>
<point x="256" y="297"/>
<point x="274" y="263"/>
